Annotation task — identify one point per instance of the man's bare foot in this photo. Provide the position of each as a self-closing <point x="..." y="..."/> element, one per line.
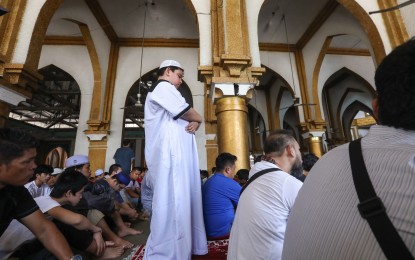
<point x="111" y="253"/>
<point x="127" y="224"/>
<point x="123" y="243"/>
<point x="128" y="231"/>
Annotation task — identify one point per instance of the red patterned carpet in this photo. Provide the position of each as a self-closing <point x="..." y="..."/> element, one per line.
<point x="217" y="251"/>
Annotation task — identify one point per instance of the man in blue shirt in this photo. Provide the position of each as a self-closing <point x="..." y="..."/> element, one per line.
<point x="124" y="156"/>
<point x="220" y="195"/>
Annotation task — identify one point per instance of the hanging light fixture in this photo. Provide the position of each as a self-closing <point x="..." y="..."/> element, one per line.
<point x="140" y="83"/>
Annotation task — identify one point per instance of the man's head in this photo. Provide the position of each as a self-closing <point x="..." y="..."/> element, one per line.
<point x="204" y="174"/>
<point x="99" y="174"/>
<point x="308" y="162"/>
<point x="281" y="145"/>
<point x="126" y="143"/>
<point x="17" y="157"/>
<point x="395" y="85"/>
<point x="70" y="184"/>
<point x="135" y="173"/>
<point x="79" y="163"/>
<point x="171" y="71"/>
<point x="242" y="176"/>
<point x="42" y="173"/>
<point x="225" y="164"/>
<point x="54" y="176"/>
<point x="114" y="169"/>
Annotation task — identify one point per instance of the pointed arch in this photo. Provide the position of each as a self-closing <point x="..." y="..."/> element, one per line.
<point x="35" y="47"/>
<point x="369" y="27"/>
<point x="350" y="113"/>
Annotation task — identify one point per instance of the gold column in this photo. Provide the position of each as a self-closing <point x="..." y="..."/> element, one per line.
<point x="97" y="154"/>
<point x="315" y="145"/>
<point x="4" y="113"/>
<point x="231" y="113"/>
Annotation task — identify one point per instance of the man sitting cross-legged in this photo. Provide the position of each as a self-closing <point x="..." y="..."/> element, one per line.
<point x="77" y="229"/>
<point x="220" y="195"/>
<point x="81" y="164"/>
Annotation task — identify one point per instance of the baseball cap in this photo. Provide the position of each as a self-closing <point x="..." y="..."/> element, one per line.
<point x="56" y="171"/>
<point x="122" y="178"/>
<point x="99" y="172"/>
<point x="168" y="63"/>
<point x="76" y="160"/>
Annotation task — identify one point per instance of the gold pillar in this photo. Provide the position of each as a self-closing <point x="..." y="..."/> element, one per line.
<point x="315" y="145"/>
<point x="231" y="113"/>
<point x="4" y="113"/>
<point x="97" y="154"/>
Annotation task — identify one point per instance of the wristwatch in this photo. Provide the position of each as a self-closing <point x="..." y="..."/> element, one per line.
<point x="76" y="257"/>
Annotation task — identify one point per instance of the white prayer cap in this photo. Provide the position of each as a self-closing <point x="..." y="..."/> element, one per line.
<point x="76" y="160"/>
<point x="168" y="63"/>
<point x="56" y="171"/>
<point x="99" y="172"/>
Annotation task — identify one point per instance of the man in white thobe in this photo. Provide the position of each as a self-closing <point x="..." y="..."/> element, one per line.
<point x="177" y="229"/>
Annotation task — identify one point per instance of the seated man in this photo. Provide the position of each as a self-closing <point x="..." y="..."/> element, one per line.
<point x="103" y="197"/>
<point x="39" y="187"/>
<point x="220" y="195"/>
<point x="17" y="161"/>
<point x="133" y="189"/>
<point x="242" y="176"/>
<point x="81" y="164"/>
<point x="77" y="229"/>
<point x="265" y="203"/>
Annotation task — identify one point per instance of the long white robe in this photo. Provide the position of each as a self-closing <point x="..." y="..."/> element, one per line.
<point x="177" y="228"/>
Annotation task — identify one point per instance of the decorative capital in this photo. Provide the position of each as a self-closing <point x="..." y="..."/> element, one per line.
<point x="205" y="74"/>
<point x="96" y="135"/>
<point x="23" y="77"/>
<point x="314" y="126"/>
<point x="235" y="64"/>
<point x="97" y="125"/>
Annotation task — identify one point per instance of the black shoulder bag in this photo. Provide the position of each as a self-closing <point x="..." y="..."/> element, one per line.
<point x="256" y="175"/>
<point x="372" y="209"/>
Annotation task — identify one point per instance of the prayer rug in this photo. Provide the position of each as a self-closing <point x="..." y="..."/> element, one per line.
<point x="218" y="250"/>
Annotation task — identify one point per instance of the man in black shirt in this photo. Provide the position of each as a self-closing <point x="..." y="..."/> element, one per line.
<point x="17" y="162"/>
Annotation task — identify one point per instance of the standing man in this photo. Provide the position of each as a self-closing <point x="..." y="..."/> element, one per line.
<point x="17" y="161"/>
<point x="177" y="230"/>
<point x="220" y="197"/>
<point x="265" y="203"/>
<point x="124" y="156"/>
<point x="325" y="222"/>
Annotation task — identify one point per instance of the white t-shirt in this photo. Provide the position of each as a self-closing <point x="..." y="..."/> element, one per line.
<point x="46" y="203"/>
<point x="36" y="191"/>
<point x="261" y="217"/>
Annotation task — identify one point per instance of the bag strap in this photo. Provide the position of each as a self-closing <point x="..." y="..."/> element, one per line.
<point x="256" y="175"/>
<point x="372" y="209"/>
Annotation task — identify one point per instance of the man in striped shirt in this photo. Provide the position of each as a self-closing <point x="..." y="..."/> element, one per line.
<point x="325" y="222"/>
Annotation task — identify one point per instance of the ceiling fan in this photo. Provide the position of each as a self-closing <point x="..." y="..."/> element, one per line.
<point x="296" y="103"/>
<point x="394" y="7"/>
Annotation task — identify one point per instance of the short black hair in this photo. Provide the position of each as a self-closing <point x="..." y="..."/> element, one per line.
<point x="243" y="174"/>
<point x="308" y="161"/>
<point x="113" y="167"/>
<point x="204" y="173"/>
<point x="161" y="71"/>
<point x="395" y="85"/>
<point x="13" y="143"/>
<point x="43" y="168"/>
<point x="69" y="180"/>
<point x="225" y="159"/>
